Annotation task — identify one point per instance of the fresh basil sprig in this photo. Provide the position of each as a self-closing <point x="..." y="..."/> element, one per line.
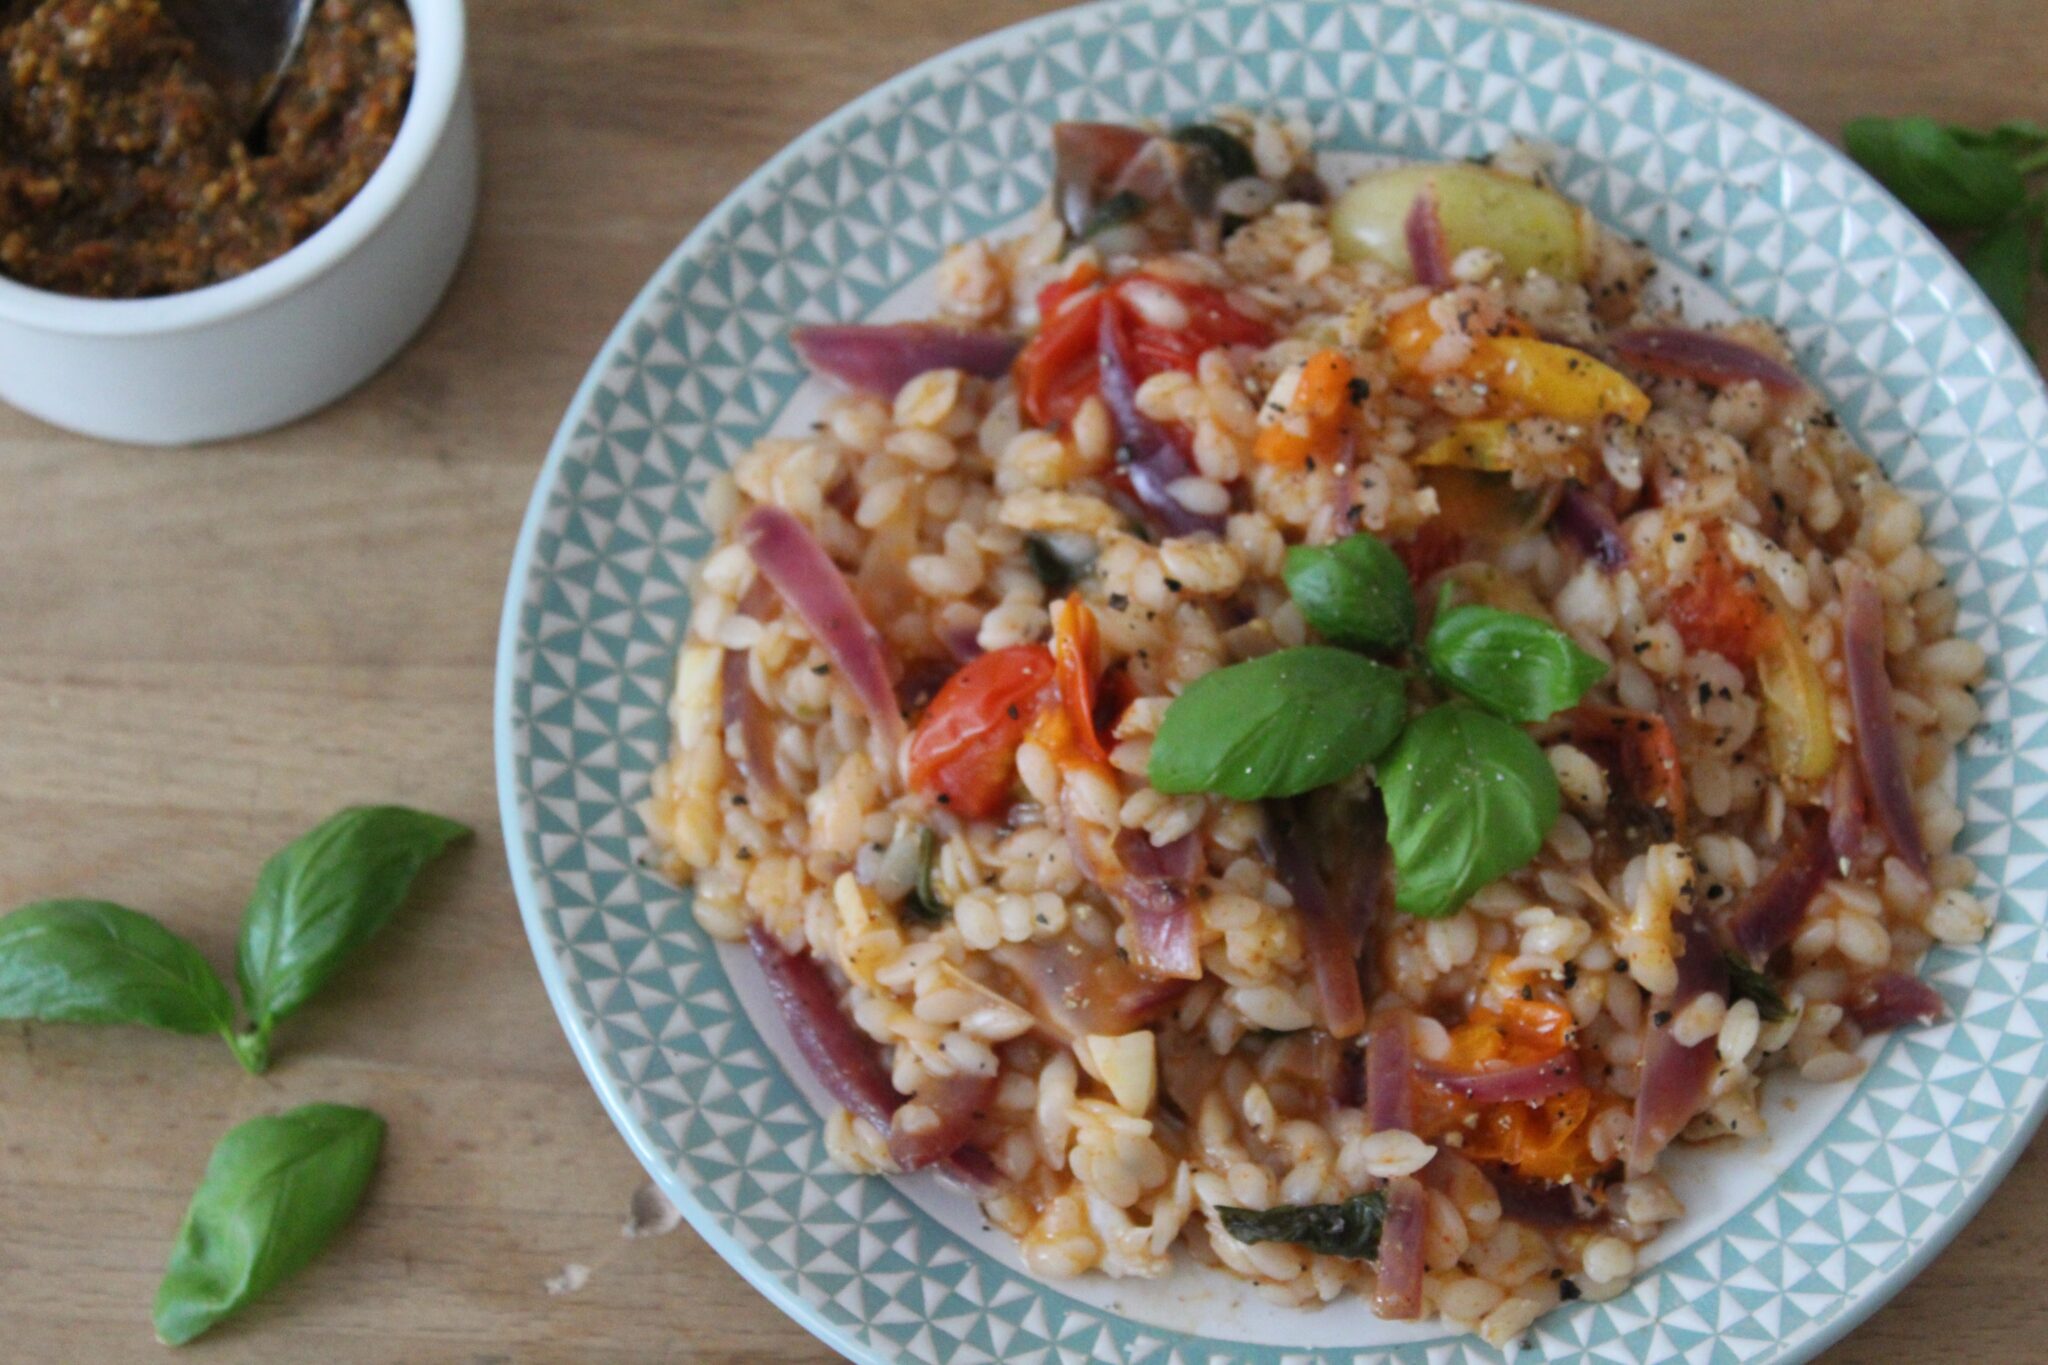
<point x="1278" y="725"/>
<point x="1515" y="666"/>
<point x="1351" y="1228"/>
<point x="275" y="1192"/>
<point x="1965" y="178"/>
<point x="1355" y="593"/>
<point x="94" y="962"/>
<point x="320" y="898"/>
<point x="1469" y="798"/>
<point x="317" y="901"/>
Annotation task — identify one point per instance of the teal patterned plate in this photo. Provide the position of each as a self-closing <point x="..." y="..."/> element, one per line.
<point x="1788" y="1244"/>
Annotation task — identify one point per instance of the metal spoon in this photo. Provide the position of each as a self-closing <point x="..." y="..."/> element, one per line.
<point x="246" y="46"/>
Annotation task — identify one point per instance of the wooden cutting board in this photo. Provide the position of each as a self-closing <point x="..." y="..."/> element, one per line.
<point x="203" y="652"/>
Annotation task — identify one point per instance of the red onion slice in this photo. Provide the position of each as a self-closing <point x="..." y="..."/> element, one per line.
<point x="1682" y="353"/>
<point x="960" y="1102"/>
<point x="1772" y="912"/>
<point x="882" y="357"/>
<point x="1075" y="992"/>
<point x="1589" y="523"/>
<point x="1331" y="943"/>
<point x="1155" y="892"/>
<point x="1153" y="459"/>
<point x="1529" y="1083"/>
<point x="1895" y="998"/>
<point x="1429" y="252"/>
<point x="1870" y="705"/>
<point x="1676" y="1077"/>
<point x="849" y="1065"/>
<point x="1389" y="1067"/>
<point x="797" y="567"/>
<point x="1398" y="1293"/>
<point x="1845" y="815"/>
<point x="740" y="706"/>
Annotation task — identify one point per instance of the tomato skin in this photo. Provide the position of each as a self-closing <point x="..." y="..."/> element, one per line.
<point x="963" y="753"/>
<point x="1719" y="609"/>
<point x="1061" y="366"/>
<point x="1077" y="661"/>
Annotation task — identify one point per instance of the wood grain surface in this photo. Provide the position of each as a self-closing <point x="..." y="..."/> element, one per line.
<point x="204" y="651"/>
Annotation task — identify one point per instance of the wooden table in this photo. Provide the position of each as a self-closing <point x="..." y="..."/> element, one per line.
<point x="204" y="651"/>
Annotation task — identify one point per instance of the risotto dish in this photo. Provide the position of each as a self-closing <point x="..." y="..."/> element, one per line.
<point x="1318" y="730"/>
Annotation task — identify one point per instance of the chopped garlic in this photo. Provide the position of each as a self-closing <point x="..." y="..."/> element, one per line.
<point x="1128" y="1065"/>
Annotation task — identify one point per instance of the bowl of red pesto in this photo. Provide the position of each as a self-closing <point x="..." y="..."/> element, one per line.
<point x="169" y="277"/>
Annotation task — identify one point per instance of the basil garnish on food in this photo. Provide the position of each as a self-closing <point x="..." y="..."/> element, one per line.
<point x="1747" y="983"/>
<point x="1351" y="1228"/>
<point x="1279" y="725"/>
<point x="94" y="962"/>
<point x="1355" y="593"/>
<point x="1469" y="798"/>
<point x="275" y="1192"/>
<point x="322" y="897"/>
<point x="1515" y="666"/>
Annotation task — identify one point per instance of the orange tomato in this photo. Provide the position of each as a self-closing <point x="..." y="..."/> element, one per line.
<point x="1316" y="415"/>
<point x="1644" y="751"/>
<point x="963" y="753"/>
<point x="1077" y="663"/>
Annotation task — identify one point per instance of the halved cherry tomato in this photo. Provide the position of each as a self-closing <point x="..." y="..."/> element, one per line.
<point x="1720" y="609"/>
<point x="1545" y="1139"/>
<point x="1433" y="548"/>
<point x="1077" y="661"/>
<point x="963" y="754"/>
<point x="1061" y="366"/>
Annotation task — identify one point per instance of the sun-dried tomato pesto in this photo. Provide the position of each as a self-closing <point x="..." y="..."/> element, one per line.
<point x="122" y="173"/>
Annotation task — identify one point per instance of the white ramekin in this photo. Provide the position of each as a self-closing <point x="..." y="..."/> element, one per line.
<point x="288" y="337"/>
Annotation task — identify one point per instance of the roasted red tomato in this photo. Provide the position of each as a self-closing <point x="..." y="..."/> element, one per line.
<point x="1721" y="609"/>
<point x="1061" y="366"/>
<point x="963" y="754"/>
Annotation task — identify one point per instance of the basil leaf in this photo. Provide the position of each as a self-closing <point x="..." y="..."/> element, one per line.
<point x="1515" y="666"/>
<point x="2000" y="262"/>
<point x="1118" y="209"/>
<point x="1351" y="1228"/>
<point x="321" y="897"/>
<point x="1355" y="592"/>
<point x="1056" y="560"/>
<point x="1278" y="725"/>
<point x="1935" y="175"/>
<point x="1469" y="798"/>
<point x="275" y="1191"/>
<point x="94" y="962"/>
<point x="1747" y="983"/>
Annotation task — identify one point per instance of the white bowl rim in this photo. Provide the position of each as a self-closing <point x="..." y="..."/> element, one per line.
<point x="440" y="30"/>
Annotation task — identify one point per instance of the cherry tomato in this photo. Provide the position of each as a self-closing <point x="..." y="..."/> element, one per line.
<point x="1645" y="753"/>
<point x="1061" y="366"/>
<point x="963" y="753"/>
<point x="1719" y="608"/>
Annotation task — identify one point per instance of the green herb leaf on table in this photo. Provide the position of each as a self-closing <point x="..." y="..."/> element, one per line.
<point x="275" y="1192"/>
<point x="2020" y="139"/>
<point x="1934" y="173"/>
<point x="1515" y="666"/>
<point x="2001" y="262"/>
<point x="322" y="897"/>
<point x="1279" y="725"/>
<point x="1355" y="593"/>
<point x="1469" y="798"/>
<point x="1747" y="983"/>
<point x="94" y="962"/>
<point x="1351" y="1228"/>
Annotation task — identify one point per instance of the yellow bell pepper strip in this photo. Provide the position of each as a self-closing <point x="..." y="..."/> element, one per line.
<point x="1524" y="375"/>
<point x="1477" y="445"/>
<point x="1317" y="414"/>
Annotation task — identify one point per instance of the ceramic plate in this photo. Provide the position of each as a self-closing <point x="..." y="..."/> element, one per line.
<point x="1787" y="1245"/>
